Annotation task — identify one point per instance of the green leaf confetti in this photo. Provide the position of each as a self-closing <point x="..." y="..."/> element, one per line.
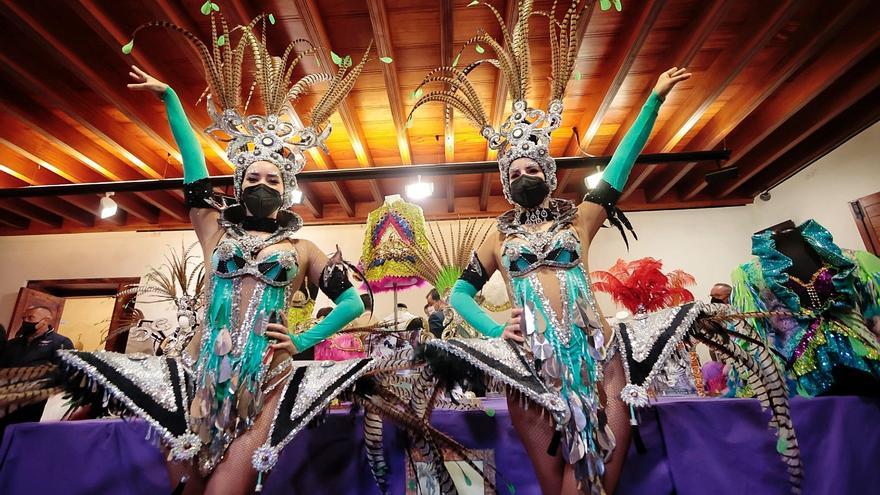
<point x="417" y="94"/>
<point x="605" y="4"/>
<point x="221" y="40"/>
<point x="336" y="59"/>
<point x="215" y="7"/>
<point x="475" y="2"/>
<point x="206" y="8"/>
<point x="577" y="75"/>
<point x="272" y="19"/>
<point x="386" y="60"/>
<point x="479" y="49"/>
<point x="126" y="48"/>
<point x="511" y="488"/>
<point x="490" y="413"/>
<point x="455" y="62"/>
<point x="467" y="479"/>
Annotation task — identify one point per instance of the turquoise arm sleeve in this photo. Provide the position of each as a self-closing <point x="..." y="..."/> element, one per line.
<point x="193" y="159"/>
<point x="462" y="300"/>
<point x="621" y="164"/>
<point x="348" y="307"/>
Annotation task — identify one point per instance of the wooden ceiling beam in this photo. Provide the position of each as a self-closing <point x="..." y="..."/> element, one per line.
<point x="692" y="38"/>
<point x="63" y="209"/>
<point x="60" y="165"/>
<point x="310" y="15"/>
<point x="86" y="116"/>
<point x="136" y="207"/>
<point x="446" y="32"/>
<point x="385" y="48"/>
<point x="846" y="92"/>
<point x="617" y="66"/>
<point x="847" y="50"/>
<point x="747" y="100"/>
<point x="325" y="162"/>
<point x="499" y="102"/>
<point x="163" y="201"/>
<point x="13" y="221"/>
<point x="67" y="139"/>
<point x="59" y="50"/>
<point x="311" y="202"/>
<point x="32" y="213"/>
<point x="91" y="203"/>
<point x="839" y="130"/>
<point x="769" y="19"/>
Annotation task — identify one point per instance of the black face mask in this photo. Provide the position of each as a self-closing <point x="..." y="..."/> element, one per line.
<point x="261" y="200"/>
<point x="529" y="191"/>
<point x="716" y="300"/>
<point x="27" y="328"/>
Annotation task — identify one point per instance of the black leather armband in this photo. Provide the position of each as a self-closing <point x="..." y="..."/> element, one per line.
<point x="606" y="196"/>
<point x="475" y="273"/>
<point x="197" y="194"/>
<point x="334" y="279"/>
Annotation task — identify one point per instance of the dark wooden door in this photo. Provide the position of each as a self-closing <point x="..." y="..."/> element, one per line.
<point x="866" y="212"/>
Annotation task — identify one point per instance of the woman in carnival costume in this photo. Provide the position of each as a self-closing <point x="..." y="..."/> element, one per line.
<point x="541" y="248"/>
<point x="215" y="410"/>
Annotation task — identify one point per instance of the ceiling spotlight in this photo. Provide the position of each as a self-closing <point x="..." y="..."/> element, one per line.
<point x="419" y="190"/>
<point x="296" y="196"/>
<point x="107" y="206"/>
<point x="591" y="181"/>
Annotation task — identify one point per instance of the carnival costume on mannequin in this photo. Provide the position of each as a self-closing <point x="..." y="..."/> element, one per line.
<point x="834" y="312"/>
<point x="566" y="342"/>
<point x="202" y="411"/>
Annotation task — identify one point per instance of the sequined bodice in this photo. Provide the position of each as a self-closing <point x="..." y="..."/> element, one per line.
<point x="230" y="259"/>
<point x="816" y="292"/>
<point x="560" y="249"/>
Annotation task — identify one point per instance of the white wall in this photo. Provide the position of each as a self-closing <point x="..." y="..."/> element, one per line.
<point x="823" y="190"/>
<point x="708" y="243"/>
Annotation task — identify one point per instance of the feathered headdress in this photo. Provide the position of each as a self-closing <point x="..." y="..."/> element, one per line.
<point x="526" y="132"/>
<point x="275" y="135"/>
<point x="640" y="285"/>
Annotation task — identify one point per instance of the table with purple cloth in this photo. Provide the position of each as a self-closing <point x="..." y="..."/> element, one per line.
<point x="696" y="446"/>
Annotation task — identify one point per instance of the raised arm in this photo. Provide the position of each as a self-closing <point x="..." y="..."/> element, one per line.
<point x="604" y="196"/>
<point x="482" y="266"/>
<point x="195" y="173"/>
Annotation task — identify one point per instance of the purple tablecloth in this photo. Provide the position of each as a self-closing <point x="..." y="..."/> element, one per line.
<point x="694" y="447"/>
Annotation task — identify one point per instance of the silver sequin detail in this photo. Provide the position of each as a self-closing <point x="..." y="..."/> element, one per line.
<point x="643" y="333"/>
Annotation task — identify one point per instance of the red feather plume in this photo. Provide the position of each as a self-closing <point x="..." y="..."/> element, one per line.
<point x="641" y="284"/>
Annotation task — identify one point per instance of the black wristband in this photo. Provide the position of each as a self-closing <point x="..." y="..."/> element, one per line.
<point x="475" y="273"/>
<point x="334" y="280"/>
<point x="198" y="193"/>
<point x="606" y="196"/>
<point x="603" y="194"/>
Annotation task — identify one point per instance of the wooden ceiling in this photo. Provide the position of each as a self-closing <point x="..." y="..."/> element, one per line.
<point x="778" y="83"/>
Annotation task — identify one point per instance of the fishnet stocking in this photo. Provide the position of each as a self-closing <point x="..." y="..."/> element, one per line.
<point x="535" y="433"/>
<point x="618" y="418"/>
<point x="235" y="474"/>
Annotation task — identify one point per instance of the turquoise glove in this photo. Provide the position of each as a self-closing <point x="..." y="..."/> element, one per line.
<point x="348" y="307"/>
<point x="193" y="159"/>
<point x="462" y="299"/>
<point x="621" y="164"/>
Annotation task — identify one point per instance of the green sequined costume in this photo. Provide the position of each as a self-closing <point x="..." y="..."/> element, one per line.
<point x="836" y="312"/>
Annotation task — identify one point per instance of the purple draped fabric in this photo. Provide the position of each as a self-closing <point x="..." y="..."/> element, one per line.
<point x="717" y="446"/>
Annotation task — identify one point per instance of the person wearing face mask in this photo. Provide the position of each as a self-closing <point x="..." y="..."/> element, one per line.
<point x="253" y="262"/>
<point x="720" y="293"/>
<point x="36" y="342"/>
<point x="541" y="247"/>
